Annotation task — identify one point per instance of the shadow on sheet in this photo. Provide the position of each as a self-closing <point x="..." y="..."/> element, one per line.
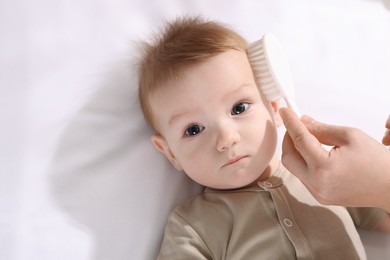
<point x="109" y="179"/>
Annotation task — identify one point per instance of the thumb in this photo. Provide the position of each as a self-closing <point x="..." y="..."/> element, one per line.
<point x="386" y="137"/>
<point x="331" y="135"/>
<point x="300" y="137"/>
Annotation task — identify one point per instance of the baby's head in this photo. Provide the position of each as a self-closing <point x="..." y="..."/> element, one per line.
<point x="197" y="90"/>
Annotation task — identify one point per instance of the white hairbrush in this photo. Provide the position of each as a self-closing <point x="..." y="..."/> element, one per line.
<point x="271" y="70"/>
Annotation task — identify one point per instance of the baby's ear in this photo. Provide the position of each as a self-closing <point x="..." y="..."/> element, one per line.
<point x="161" y="145"/>
<point x="275" y="108"/>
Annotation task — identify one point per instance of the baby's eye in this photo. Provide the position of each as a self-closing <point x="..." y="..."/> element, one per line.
<point x="240" y="108"/>
<point x="193" y="130"/>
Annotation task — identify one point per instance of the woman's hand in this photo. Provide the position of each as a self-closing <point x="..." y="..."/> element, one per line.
<point x="386" y="137"/>
<point x="354" y="172"/>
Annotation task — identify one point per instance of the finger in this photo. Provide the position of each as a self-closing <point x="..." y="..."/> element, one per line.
<point x="305" y="143"/>
<point x="386" y="138"/>
<point x="295" y="163"/>
<point x="326" y="134"/>
<point x="291" y="158"/>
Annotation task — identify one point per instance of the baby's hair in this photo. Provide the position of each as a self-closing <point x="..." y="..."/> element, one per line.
<point x="184" y="42"/>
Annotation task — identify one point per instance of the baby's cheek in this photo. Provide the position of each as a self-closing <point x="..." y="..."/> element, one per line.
<point x="258" y="129"/>
<point x="190" y="159"/>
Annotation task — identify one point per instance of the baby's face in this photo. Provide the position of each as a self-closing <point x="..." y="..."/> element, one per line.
<point x="214" y="125"/>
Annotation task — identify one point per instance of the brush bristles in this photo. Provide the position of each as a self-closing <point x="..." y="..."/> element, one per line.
<point x="261" y="71"/>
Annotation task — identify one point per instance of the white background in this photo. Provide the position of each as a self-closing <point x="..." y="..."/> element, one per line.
<point x="55" y="56"/>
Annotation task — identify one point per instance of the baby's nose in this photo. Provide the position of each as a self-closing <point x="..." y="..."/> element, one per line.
<point x="227" y="137"/>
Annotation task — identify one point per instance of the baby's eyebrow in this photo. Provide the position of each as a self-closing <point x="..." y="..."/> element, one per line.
<point x="238" y="90"/>
<point x="189" y="112"/>
<point x="178" y="116"/>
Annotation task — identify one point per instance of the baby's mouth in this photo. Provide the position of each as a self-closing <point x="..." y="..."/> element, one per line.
<point x="234" y="160"/>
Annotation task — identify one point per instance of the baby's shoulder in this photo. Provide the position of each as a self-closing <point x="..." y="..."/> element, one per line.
<point x="203" y="214"/>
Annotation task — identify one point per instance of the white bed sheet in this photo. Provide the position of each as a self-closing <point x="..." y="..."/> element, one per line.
<point x="80" y="179"/>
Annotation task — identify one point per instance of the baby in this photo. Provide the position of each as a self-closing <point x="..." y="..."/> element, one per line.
<point x="197" y="90"/>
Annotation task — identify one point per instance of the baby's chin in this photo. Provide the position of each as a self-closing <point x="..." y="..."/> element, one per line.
<point x="242" y="177"/>
<point x="264" y="175"/>
<point x="238" y="184"/>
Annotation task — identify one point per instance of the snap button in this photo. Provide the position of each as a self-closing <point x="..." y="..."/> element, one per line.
<point x="265" y="184"/>
<point x="287" y="222"/>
